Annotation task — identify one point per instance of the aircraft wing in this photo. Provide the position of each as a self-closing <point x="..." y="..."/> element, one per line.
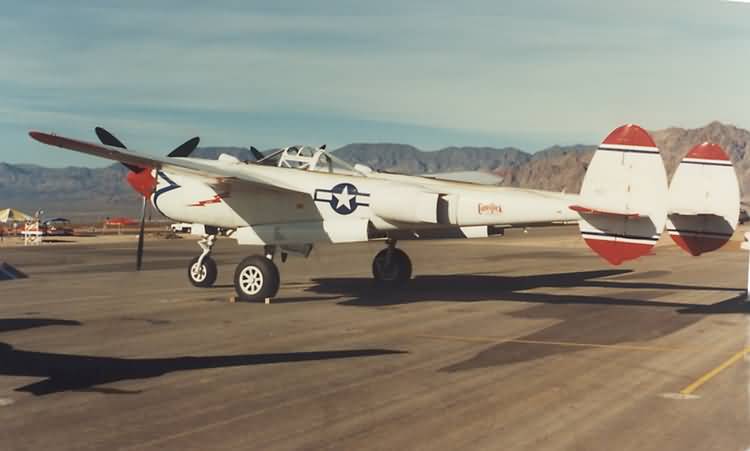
<point x="474" y="177"/>
<point x="191" y="166"/>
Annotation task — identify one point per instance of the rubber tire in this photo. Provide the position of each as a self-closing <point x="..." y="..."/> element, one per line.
<point x="271" y="279"/>
<point x="401" y="265"/>
<point x="211" y="272"/>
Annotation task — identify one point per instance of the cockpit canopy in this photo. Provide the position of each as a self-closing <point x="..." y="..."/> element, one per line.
<point x="304" y="158"/>
<point x="308" y="158"/>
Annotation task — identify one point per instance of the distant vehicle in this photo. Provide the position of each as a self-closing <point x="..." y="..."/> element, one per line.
<point x="744" y="217"/>
<point x="120" y="221"/>
<point x="181" y="227"/>
<point x="57" y="227"/>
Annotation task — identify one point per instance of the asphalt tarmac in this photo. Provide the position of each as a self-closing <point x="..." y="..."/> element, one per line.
<point x="527" y="342"/>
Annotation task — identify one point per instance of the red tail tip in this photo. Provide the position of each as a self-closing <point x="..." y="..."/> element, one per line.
<point x="708" y="151"/>
<point x="630" y="135"/>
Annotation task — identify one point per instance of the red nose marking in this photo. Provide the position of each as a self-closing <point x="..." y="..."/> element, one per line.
<point x="143" y="182"/>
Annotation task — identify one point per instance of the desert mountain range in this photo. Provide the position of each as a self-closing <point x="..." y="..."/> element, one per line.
<point x="92" y="194"/>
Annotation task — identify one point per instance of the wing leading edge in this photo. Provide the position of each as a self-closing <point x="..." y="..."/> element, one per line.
<point x="191" y="166"/>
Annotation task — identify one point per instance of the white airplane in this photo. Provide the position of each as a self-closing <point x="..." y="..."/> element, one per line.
<point x="299" y="196"/>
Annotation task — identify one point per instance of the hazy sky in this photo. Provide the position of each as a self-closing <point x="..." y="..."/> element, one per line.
<point x="433" y="73"/>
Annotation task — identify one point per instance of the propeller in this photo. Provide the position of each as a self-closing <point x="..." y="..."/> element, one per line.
<point x="186" y="148"/>
<point x="256" y="153"/>
<point x="141" y="180"/>
<point x="108" y="139"/>
<point x="139" y="251"/>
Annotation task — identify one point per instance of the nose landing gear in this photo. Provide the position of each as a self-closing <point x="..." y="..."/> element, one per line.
<point x="202" y="270"/>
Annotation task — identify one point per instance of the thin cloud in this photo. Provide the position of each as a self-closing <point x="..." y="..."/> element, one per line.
<point x="529" y="74"/>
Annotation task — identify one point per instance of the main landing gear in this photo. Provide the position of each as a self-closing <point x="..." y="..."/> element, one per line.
<point x="257" y="277"/>
<point x="391" y="266"/>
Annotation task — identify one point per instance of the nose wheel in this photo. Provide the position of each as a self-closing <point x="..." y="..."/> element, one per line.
<point x="202" y="269"/>
<point x="202" y="274"/>
<point x="391" y="266"/>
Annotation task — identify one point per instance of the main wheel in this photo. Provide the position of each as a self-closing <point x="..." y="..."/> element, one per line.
<point x="204" y="275"/>
<point x="256" y="278"/>
<point x="393" y="272"/>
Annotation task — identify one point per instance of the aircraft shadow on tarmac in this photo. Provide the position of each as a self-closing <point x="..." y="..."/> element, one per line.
<point x="67" y="372"/>
<point x="480" y="287"/>
<point x="11" y="324"/>
<point x="628" y="314"/>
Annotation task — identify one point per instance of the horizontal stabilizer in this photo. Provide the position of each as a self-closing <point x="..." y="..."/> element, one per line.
<point x="598" y="211"/>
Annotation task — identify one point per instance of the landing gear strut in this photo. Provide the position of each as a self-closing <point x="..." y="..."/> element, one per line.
<point x="257" y="277"/>
<point x="202" y="270"/>
<point x="391" y="266"/>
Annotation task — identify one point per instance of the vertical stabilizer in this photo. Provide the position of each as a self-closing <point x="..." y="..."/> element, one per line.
<point x="623" y="202"/>
<point x="704" y="200"/>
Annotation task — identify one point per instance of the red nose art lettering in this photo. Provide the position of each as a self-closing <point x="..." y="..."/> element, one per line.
<point x="489" y="209"/>
<point x="214" y="200"/>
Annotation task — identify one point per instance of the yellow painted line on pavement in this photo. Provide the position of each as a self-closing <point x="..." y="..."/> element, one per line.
<point x="714" y="372"/>
<point x="551" y="343"/>
<point x="685" y="391"/>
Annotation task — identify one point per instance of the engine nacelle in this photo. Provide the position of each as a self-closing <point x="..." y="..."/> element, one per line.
<point x="497" y="208"/>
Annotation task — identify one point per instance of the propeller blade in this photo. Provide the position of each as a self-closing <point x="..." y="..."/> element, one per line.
<point x="139" y="252"/>
<point x="108" y="139"/>
<point x="186" y="148"/>
<point x="256" y="153"/>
